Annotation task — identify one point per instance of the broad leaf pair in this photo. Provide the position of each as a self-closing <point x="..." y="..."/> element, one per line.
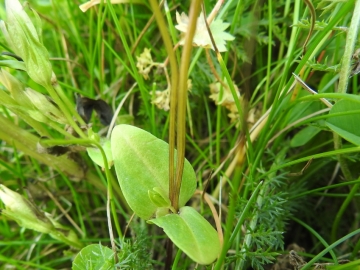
<point x="142" y="169"/>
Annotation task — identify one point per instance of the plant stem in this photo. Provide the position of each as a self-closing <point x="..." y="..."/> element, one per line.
<point x="62" y="101"/>
<point x="326" y="250"/>
<point x="268" y="66"/>
<point x="173" y="94"/>
<point x="318" y="236"/>
<point x="351" y="38"/>
<point x="342" y="210"/>
<point x="244" y="214"/>
<point x="342" y="88"/>
<point x="182" y="97"/>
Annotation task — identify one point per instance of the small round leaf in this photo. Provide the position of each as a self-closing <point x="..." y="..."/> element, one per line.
<point x="94" y="256"/>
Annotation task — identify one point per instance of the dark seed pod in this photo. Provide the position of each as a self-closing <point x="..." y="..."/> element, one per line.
<point x="85" y="106"/>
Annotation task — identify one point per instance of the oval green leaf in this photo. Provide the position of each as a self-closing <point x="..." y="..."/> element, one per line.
<point x="96" y="156"/>
<point x="192" y="233"/>
<point x="345" y="125"/>
<point x="142" y="163"/>
<point x="94" y="257"/>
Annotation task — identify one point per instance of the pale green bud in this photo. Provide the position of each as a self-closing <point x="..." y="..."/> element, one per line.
<point x="15" y="87"/>
<point x="43" y="104"/>
<point x="24" y="212"/>
<point x="27" y="215"/>
<point x="28" y="101"/>
<point x="24" y="38"/>
<point x="18" y="100"/>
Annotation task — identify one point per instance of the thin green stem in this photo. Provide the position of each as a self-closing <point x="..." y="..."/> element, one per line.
<point x="218" y="131"/>
<point x="345" y="70"/>
<point x="65" y="106"/>
<point x="326" y="250"/>
<point x="231" y="86"/>
<point x="182" y="96"/>
<point x="318" y="236"/>
<point x="269" y="56"/>
<point x="173" y="95"/>
<point x="315" y="156"/>
<point x="240" y="221"/>
<point x="351" y="39"/>
<point x="342" y="210"/>
<point x="314" y="191"/>
<point x="177" y="259"/>
<point x="77" y="205"/>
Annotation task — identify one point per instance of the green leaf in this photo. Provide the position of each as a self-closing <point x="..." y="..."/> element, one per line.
<point x="304" y="136"/>
<point x="303" y="109"/>
<point x="142" y="163"/>
<point x="159" y="197"/>
<point x="14" y="64"/>
<point x="346" y="125"/>
<point x="95" y="154"/>
<point x="94" y="257"/>
<point x="192" y="233"/>
<point x="23" y="38"/>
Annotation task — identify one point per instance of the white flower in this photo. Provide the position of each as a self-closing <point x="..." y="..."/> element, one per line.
<point x="201" y="37"/>
<point x="162" y="99"/>
<point x="145" y="63"/>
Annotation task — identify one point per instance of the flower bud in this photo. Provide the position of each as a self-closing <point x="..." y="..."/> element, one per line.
<point x="34" y="104"/>
<point x="25" y="40"/>
<point x="16" y="88"/>
<point x="24" y="212"/>
<point x="27" y="215"/>
<point x="45" y="106"/>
